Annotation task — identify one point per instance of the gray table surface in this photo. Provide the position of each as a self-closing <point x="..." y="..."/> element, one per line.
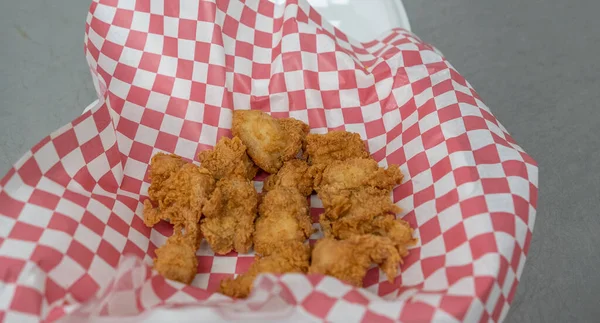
<point x="535" y="63"/>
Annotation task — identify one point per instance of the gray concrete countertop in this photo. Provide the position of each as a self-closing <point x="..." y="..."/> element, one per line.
<point x="535" y="64"/>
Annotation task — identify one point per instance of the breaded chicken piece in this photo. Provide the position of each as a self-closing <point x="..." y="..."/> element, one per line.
<point x="176" y="259"/>
<point x="229" y="216"/>
<point x="180" y="196"/>
<point x="283" y="216"/>
<point x="360" y="204"/>
<point x="228" y="158"/>
<point x="162" y="166"/>
<point x="334" y="145"/>
<point x="270" y="141"/>
<point x="349" y="260"/>
<point x="294" y="173"/>
<point x="286" y="258"/>
<point x="358" y="173"/>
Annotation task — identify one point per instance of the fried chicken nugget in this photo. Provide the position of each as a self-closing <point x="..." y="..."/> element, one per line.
<point x="176" y="259"/>
<point x="162" y="166"/>
<point x="180" y="196"/>
<point x="286" y="258"/>
<point x="270" y="141"/>
<point x="357" y="173"/>
<point x="283" y="216"/>
<point x="228" y="158"/>
<point x="334" y="145"/>
<point x="294" y="173"/>
<point x="349" y="260"/>
<point x="229" y="216"/>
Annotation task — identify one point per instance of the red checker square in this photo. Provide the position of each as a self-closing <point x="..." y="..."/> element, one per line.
<point x="421" y="85"/>
<point x="248" y="17"/>
<point x="430" y="230"/>
<point x="108" y="182"/>
<point x="170" y="46"/>
<point x="347" y="79"/>
<point x="62" y="223"/>
<point x="331" y="99"/>
<point x="132" y="249"/>
<point x="230" y="27"/>
<point x="130" y="184"/>
<point x="375" y="128"/>
<point x="412" y="58"/>
<point x="166" y="142"/>
<point x="102" y="119"/>
<point x="458" y="306"/>
<point x="112" y="50"/>
<point x="110" y="3"/>
<point x="163" y="84"/>
<point x="140" y="152"/>
<point x="498" y="308"/>
<point x="81" y="254"/>
<point x="457" y="77"/>
<point x="191" y="130"/>
<point x="25" y="232"/>
<point x="137" y="223"/>
<point x="92" y="149"/>
<point x="432" y="137"/>
<point x="46" y="258"/>
<point x="395" y="132"/>
<point x="105" y="200"/>
<point x="229" y="61"/>
<point x="297" y="100"/>
<point x="318" y="304"/>
<point x="216" y="75"/>
<point x="408" y="108"/>
<point x="316" y="118"/>
<point x="244" y="49"/>
<point x="458" y="143"/>
<point x="142" y="5"/>
<point x="184" y="69"/>
<point x="205" y="264"/>
<point x="311" y="81"/>
<point x="448" y="113"/>
<point x="487" y="155"/>
<point x="138" y="95"/>
<point x="211" y="115"/>
<point x="207" y="11"/>
<point x="161" y="288"/>
<point x="432" y="264"/>
<point x="483" y="244"/>
<point x="116" y="102"/>
<point x="373" y="317"/>
<point x="474" y="123"/>
<point x="109" y="254"/>
<point x="441" y="169"/>
<point x="95" y="52"/>
<point x="242" y="264"/>
<point x="26" y="300"/>
<point x="308" y="42"/>
<point x="10" y="207"/>
<point x="116" y="223"/>
<point x="197" y="293"/>
<point x="11" y="172"/>
<point x="177" y="107"/>
<point x="521" y="208"/>
<point x="442" y="87"/>
<point x="327" y="62"/>
<point x="354" y="297"/>
<point x="214" y="281"/>
<point x="263" y="39"/>
<point x="241" y="83"/>
<point x="418" y="164"/>
<point x="495" y="185"/>
<point x="386" y="288"/>
<point x="455" y="236"/>
<point x="123" y="18"/>
<point x="93" y="223"/>
<point x="150" y="62"/>
<point x="277" y="84"/>
<point x="10" y="269"/>
<point x="187" y="29"/>
<point x="152" y="119"/>
<point x="504" y="222"/>
<point x="447" y="200"/>
<point x="352" y="115"/>
<point x="411" y="133"/>
<point x="513" y="290"/>
<point x="473" y="206"/>
<point x="417" y="312"/>
<point x="314" y="16"/>
<point x="44" y="199"/>
<point x="202" y="52"/>
<point x="76" y="198"/>
<point x="261" y="71"/>
<point x="483" y="287"/>
<point x="465" y="98"/>
<point x="516" y="257"/>
<point x="198" y="92"/>
<point x="30" y="172"/>
<point x="171" y="8"/>
<point x="514" y="168"/>
<point x="533" y="195"/>
<point x="84" y="288"/>
<point x="292" y="61"/>
<point x="501" y="275"/>
<point x="100" y="27"/>
<point x="456" y="273"/>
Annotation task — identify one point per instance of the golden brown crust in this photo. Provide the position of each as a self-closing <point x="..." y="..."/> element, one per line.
<point x="294" y="173"/>
<point x="229" y="216"/>
<point x="176" y="259"/>
<point x="227" y="159"/>
<point x="334" y="145"/>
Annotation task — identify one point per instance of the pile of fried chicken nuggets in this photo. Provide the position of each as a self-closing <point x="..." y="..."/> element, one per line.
<point x="359" y="224"/>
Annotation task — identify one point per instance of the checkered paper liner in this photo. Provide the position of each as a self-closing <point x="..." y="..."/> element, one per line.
<point x="73" y="245"/>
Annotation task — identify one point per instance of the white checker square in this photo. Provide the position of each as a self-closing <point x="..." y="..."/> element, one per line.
<point x="386" y="308"/>
<point x="344" y="61"/>
<point x="101" y="271"/>
<point x="294" y="80"/>
<point x="217" y="55"/>
<point x="35" y="215"/>
<point x="334" y="117"/>
<point x="13" y="316"/>
<point x="200" y="72"/>
<point x="245" y="33"/>
<point x="521" y="230"/>
<point x="491" y="171"/>
<point x="480" y="138"/>
<point x="384" y="88"/>
<point x="329" y="81"/>
<point x="459" y="256"/>
<point x="105" y="13"/>
<point x="135" y="169"/>
<point x="171" y="125"/>
<point x="475" y="311"/>
<point x="437" y="153"/>
<point x="132" y="111"/>
<point x="261" y="55"/>
<point x="99" y="210"/>
<point x="117" y="35"/>
<point x="438" y="282"/>
<point x="519" y="186"/>
<point x="313" y="99"/>
<point x="201" y="281"/>
<point x="167" y="66"/>
<point x="6" y="225"/>
<point x="195" y="111"/>
<point x="114" y="238"/>
<point x="98" y="167"/>
<point x="350" y="98"/>
<point x="468" y="190"/>
<point x="310" y="61"/>
<point x="500" y="203"/>
<point x="214" y="95"/>
<point x="225" y="117"/>
<point x="208" y="136"/>
<point x="146" y="135"/>
<point x="242" y="66"/>
<point x="423" y="97"/>
<point x="343" y="311"/>
<point x="279" y="102"/>
<point x="188" y="9"/>
<point x="461" y="158"/>
<point x="450" y="217"/>
<point x="428" y="122"/>
<point x="470" y="110"/>
<point x="46" y="157"/>
<point x="138" y="239"/>
<point x="333" y="287"/>
<point x="506" y="244"/>
<point x="204" y="31"/>
<point x="444" y="185"/>
<point x="433" y="248"/>
<point x="240" y="101"/>
<point x="95" y="39"/>
<point x="154" y="43"/>
<point x="370" y="112"/>
<point x="402" y="94"/>
<point x="141" y="21"/>
<point x="413" y="147"/>
<point x="124" y="143"/>
<point x="185" y="148"/>
<point x="119" y="88"/>
<point x="325" y="44"/>
<point x="71" y="209"/>
<point x="377" y="143"/>
<point x="56" y="239"/>
<point x="224" y="265"/>
<point x="264" y="23"/>
<point x="477" y="224"/>
<point x="186" y="49"/>
<point x="17" y="248"/>
<point x="171" y="26"/>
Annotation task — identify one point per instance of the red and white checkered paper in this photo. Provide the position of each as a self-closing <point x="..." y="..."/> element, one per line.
<point x="168" y="74"/>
